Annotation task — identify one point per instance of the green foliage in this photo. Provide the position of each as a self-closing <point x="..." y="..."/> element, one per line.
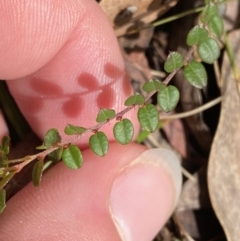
<point x="195" y="74"/>
<point x="168" y="98"/>
<point x="2" y="200"/>
<point x="209" y="50"/>
<point x="148" y="117"/>
<point x="73" y="130"/>
<point x="136" y="99"/>
<point x="37" y="173"/>
<point x="52" y="137"/>
<point x="174" y="61"/>
<point x="211" y="24"/>
<point x="98" y="143"/>
<point x="153" y="85"/>
<point x="7" y="178"/>
<point x="196" y="35"/>
<point x="105" y="115"/>
<point x="216" y="26"/>
<point x="123" y="131"/>
<point x="56" y="155"/>
<point x="72" y="157"/>
<point x="209" y="12"/>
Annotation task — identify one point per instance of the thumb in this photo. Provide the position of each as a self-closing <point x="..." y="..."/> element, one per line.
<point x="127" y="195"/>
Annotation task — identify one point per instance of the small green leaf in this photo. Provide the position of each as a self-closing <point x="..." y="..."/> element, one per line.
<point x="148" y="117"/>
<point x="72" y="130"/>
<point x="209" y="50"/>
<point x="46" y="165"/>
<point x="123" y="131"/>
<point x="153" y="85"/>
<point x="56" y="155"/>
<point x="168" y="98"/>
<point x="6" y="179"/>
<point x="52" y="137"/>
<point x="72" y="157"/>
<point x="37" y="173"/>
<point x="196" y="35"/>
<point x="136" y="99"/>
<point x="142" y="136"/>
<point x="99" y="143"/>
<point x="216" y="26"/>
<point x="209" y="12"/>
<point x="195" y="74"/>
<point x="174" y="61"/>
<point x="104" y="115"/>
<point x="42" y="147"/>
<point x="2" y="200"/>
<point x="5" y="144"/>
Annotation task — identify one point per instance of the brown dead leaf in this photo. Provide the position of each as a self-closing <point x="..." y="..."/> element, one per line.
<point x="194" y="195"/>
<point x="224" y="162"/>
<point x="231" y="16"/>
<point x="125" y="14"/>
<point x="175" y="134"/>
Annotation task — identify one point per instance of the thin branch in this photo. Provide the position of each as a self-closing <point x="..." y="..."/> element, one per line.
<point x="194" y="111"/>
<point x="27" y="159"/>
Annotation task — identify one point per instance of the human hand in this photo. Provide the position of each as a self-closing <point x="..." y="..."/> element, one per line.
<point x="62" y="63"/>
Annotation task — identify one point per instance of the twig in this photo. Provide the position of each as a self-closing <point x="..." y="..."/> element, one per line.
<point x="194" y="111"/>
<point x="27" y="159"/>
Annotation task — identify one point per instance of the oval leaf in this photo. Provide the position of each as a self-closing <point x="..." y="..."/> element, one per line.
<point x="216" y="26"/>
<point x="136" y="99"/>
<point x="196" y="35"/>
<point x="209" y="12"/>
<point x="72" y="157"/>
<point x="52" y="137"/>
<point x="104" y="115"/>
<point x="123" y="131"/>
<point x="72" y="130"/>
<point x="148" y="117"/>
<point x="209" y="50"/>
<point x="153" y="85"/>
<point x="195" y="74"/>
<point x="7" y="178"/>
<point x="174" y="61"/>
<point x="37" y="173"/>
<point x="2" y="200"/>
<point x="56" y="155"/>
<point x="168" y="98"/>
<point x="99" y="143"/>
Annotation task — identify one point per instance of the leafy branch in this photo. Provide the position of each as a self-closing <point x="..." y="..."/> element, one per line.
<point x="201" y="38"/>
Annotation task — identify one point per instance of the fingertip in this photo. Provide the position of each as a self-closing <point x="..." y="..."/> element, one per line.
<point x="32" y="32"/>
<point x="145" y="193"/>
<point x="129" y="193"/>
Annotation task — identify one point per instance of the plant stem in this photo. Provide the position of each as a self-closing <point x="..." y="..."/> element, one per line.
<point x="194" y="111"/>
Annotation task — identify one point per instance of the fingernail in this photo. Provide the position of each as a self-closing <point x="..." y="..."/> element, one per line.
<point x="145" y="193"/>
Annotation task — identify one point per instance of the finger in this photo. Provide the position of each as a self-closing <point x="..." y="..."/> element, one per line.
<point x="85" y="75"/>
<point x="33" y="32"/>
<point x="130" y="193"/>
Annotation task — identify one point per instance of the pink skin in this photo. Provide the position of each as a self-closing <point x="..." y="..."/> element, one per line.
<point x="63" y="63"/>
